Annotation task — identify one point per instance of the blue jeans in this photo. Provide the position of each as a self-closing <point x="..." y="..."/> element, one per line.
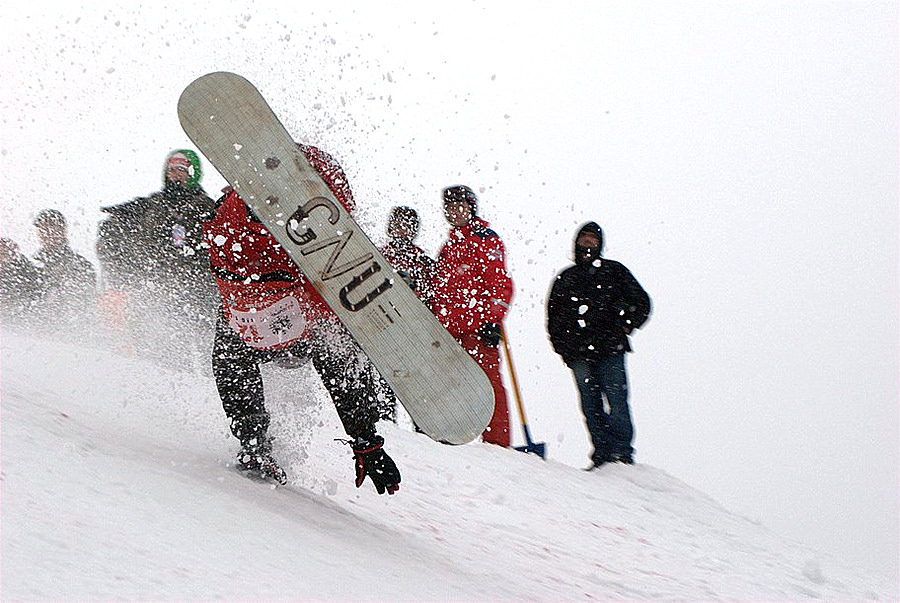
<point x="611" y="432"/>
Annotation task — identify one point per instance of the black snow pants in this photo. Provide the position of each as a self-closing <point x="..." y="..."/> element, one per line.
<point x="347" y="374"/>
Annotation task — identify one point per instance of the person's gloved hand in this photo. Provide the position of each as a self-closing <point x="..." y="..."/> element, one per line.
<point x="407" y="279"/>
<point x="489" y="334"/>
<point x="373" y="461"/>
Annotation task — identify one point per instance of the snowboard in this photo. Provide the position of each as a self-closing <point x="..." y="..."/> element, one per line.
<point x="259" y="476"/>
<point x="444" y="391"/>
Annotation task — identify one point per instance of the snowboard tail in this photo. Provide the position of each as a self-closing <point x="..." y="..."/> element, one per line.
<point x="445" y="392"/>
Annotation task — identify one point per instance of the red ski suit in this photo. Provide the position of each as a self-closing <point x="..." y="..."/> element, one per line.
<point x="252" y="270"/>
<point x="470" y="288"/>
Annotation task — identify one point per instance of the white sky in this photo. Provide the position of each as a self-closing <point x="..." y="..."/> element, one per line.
<point x="741" y="156"/>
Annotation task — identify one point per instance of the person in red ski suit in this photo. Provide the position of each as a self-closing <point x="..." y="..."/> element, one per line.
<point x="471" y="294"/>
<point x="271" y="312"/>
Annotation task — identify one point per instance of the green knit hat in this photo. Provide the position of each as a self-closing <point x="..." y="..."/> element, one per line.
<point x="188" y="159"/>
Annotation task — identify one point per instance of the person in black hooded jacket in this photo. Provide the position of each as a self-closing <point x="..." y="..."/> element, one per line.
<point x="156" y="285"/>
<point x="592" y="309"/>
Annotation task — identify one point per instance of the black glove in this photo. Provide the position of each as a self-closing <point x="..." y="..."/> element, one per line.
<point x="407" y="279"/>
<point x="373" y="461"/>
<point x="489" y="334"/>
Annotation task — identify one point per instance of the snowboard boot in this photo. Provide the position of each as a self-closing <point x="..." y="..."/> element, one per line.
<point x="598" y="460"/>
<point x="625" y="458"/>
<point x="255" y="456"/>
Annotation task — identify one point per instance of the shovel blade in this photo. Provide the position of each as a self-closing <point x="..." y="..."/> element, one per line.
<point x="538" y="448"/>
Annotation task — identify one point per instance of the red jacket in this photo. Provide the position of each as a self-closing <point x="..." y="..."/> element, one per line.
<point x="251" y="269"/>
<point x="470" y="285"/>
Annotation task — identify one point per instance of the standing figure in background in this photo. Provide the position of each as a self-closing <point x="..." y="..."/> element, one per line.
<point x="19" y="283"/>
<point x="471" y="293"/>
<point x="67" y="281"/>
<point x="154" y="267"/>
<point x="593" y="308"/>
<point x="407" y="258"/>
<point x="411" y="263"/>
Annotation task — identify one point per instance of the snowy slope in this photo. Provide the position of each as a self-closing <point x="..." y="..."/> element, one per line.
<point x="115" y="484"/>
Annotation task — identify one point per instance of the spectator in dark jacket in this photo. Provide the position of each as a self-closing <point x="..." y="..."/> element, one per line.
<point x="19" y="283"/>
<point x="67" y="281"/>
<point x="407" y="258"/>
<point x="157" y="288"/>
<point x="593" y="308"/>
<point x="159" y="238"/>
<point x="414" y="267"/>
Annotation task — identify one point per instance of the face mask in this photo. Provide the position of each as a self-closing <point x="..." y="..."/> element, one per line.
<point x="586" y="255"/>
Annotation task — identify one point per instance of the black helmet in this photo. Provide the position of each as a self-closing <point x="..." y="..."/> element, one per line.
<point x="461" y="192"/>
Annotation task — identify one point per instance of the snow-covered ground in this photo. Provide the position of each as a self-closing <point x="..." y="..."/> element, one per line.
<point x="116" y="485"/>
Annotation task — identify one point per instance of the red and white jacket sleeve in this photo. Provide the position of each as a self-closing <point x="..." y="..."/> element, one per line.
<point x="471" y="286"/>
<point x="499" y="286"/>
<point x="332" y="173"/>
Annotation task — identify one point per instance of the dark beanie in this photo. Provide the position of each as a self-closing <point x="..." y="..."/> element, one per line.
<point x="461" y="192"/>
<point x="406" y="215"/>
<point x="50" y="217"/>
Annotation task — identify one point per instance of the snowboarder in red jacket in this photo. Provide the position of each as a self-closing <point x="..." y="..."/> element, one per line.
<point x="471" y="294"/>
<point x="271" y="312"/>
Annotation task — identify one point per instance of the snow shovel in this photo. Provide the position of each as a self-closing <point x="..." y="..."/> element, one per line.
<point x="539" y="448"/>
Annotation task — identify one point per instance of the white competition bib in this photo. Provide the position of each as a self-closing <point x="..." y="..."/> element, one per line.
<point x="272" y="326"/>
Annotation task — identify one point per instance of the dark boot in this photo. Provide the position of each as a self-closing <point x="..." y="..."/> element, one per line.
<point x="256" y="447"/>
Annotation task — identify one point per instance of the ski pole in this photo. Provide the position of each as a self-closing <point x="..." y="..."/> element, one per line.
<point x="539" y="448"/>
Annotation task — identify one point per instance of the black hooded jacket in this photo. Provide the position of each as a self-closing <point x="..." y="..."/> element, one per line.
<point x="594" y="305"/>
<point x="157" y="238"/>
